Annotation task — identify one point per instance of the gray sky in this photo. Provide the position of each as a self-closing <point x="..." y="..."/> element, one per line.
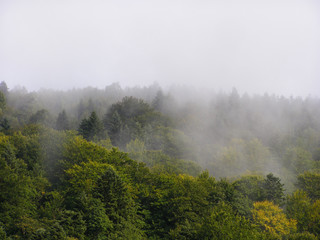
<point x="256" y="46"/>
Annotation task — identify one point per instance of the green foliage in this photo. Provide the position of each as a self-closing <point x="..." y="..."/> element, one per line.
<point x="84" y="177"/>
<point x="91" y="128"/>
<point x="136" y="146"/>
<point x="273" y="189"/>
<point x="314" y="224"/>
<point x="223" y="223"/>
<point x="113" y="125"/>
<point x="97" y="220"/>
<point x="310" y="183"/>
<point x="19" y="189"/>
<point x="160" y="162"/>
<point x="298" y="207"/>
<point x="241" y="156"/>
<point x="3" y="234"/>
<point x="5" y="125"/>
<point x="307" y="213"/>
<point x="4" y="88"/>
<point x="99" y="184"/>
<point x="62" y="122"/>
<point x="171" y="141"/>
<point x="253" y="188"/>
<point x="301" y="236"/>
<point x="298" y="160"/>
<point x="55" y="232"/>
<point x="28" y="149"/>
<point x="250" y="186"/>
<point x="73" y="224"/>
<point x="187" y="203"/>
<point x="51" y="205"/>
<point x="223" y="192"/>
<point x="159" y="101"/>
<point x="248" y="190"/>
<point x="40" y="117"/>
<point x="106" y="143"/>
<point x="2" y="102"/>
<point x="130" y="119"/>
<point x="52" y="145"/>
<point x="59" y="185"/>
<point x="32" y="129"/>
<point x="77" y="150"/>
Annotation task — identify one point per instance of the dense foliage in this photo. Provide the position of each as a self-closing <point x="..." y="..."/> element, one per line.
<point x="141" y="164"/>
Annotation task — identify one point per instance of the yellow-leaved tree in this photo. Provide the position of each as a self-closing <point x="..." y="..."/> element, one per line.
<point x="270" y="218"/>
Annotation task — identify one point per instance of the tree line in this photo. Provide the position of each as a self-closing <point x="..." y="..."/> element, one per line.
<point x="140" y="168"/>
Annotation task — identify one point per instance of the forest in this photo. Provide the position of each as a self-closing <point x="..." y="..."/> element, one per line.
<point x="147" y="163"/>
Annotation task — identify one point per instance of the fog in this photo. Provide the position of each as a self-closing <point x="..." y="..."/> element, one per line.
<point x="256" y="47"/>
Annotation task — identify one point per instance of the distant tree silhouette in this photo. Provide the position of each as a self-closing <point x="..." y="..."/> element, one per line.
<point x="62" y="122"/>
<point x="4" y="88"/>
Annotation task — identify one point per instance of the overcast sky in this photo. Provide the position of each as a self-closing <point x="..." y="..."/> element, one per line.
<point x="256" y="46"/>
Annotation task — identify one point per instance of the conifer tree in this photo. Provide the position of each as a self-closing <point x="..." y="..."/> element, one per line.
<point x="62" y="122"/>
<point x="91" y="127"/>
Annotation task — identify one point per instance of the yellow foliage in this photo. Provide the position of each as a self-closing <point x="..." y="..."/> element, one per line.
<point x="271" y="218"/>
<point x="186" y="177"/>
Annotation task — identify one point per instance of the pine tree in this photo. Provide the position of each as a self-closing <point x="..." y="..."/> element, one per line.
<point x="91" y="127"/>
<point x="62" y="122"/>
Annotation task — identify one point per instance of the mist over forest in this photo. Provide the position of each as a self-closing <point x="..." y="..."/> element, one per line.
<point x="225" y="132"/>
<point x="246" y="154"/>
<point x="182" y="120"/>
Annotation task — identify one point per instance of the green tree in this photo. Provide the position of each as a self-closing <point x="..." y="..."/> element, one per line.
<point x="255" y="188"/>
<point x="241" y="156"/>
<point x="314" y="224"/>
<point x="104" y="188"/>
<point x="223" y="223"/>
<point x="81" y="110"/>
<point x="298" y="207"/>
<point x="159" y="101"/>
<point x="273" y="189"/>
<point x="304" y="211"/>
<point x="91" y="127"/>
<point x="52" y="147"/>
<point x="40" y="117"/>
<point x="248" y="189"/>
<point x="20" y="190"/>
<point x="310" y="183"/>
<point x="136" y="146"/>
<point x="3" y="234"/>
<point x="62" y="122"/>
<point x="28" y="149"/>
<point x="298" y="160"/>
<point x="5" y="125"/>
<point x="126" y="120"/>
<point x="302" y="236"/>
<point x="4" y="88"/>
<point x="3" y="102"/>
<point x="114" y="125"/>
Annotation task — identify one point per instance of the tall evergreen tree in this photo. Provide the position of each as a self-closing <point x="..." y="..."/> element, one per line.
<point x="62" y="122"/>
<point x="2" y="101"/>
<point x="113" y="126"/>
<point x="5" y="125"/>
<point x="40" y="117"/>
<point x="4" y="88"/>
<point x="91" y="127"/>
<point x="273" y="189"/>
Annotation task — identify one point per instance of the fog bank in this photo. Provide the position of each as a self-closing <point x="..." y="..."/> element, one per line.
<point x="270" y="46"/>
